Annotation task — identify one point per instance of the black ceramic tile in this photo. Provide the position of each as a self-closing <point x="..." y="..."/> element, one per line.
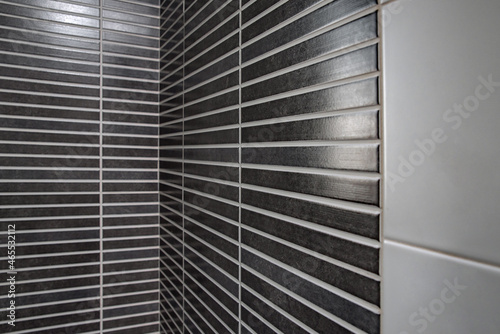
<point x="306" y="314"/>
<point x="255" y="9"/>
<point x="213" y="70"/>
<point x="222" y="14"/>
<point x="221" y="244"/>
<point x="223" y="83"/>
<point x="130" y="209"/>
<point x="129" y="129"/>
<point x="358" y="31"/>
<point x="129" y="164"/>
<point x="146" y="220"/>
<point x="216" y="274"/>
<point x="50" y="64"/>
<point x="129" y="310"/>
<point x="50" y="149"/>
<point x="349" y="126"/>
<point x="28" y="36"/>
<point x="55" y="248"/>
<point x="130" y="18"/>
<point x="212" y="154"/>
<point x="60" y="320"/>
<point x="129" y="255"/>
<point x="50" y="52"/>
<point x="49" y="212"/>
<point x="133" y="62"/>
<point x="49" y="100"/>
<point x="212" y="205"/>
<point x="66" y="283"/>
<point x="130" y="73"/>
<point x="205" y="312"/>
<point x="43" y="261"/>
<point x="48" y="199"/>
<point x="48" y="175"/>
<point x="47" y="88"/>
<point x="19" y="187"/>
<point x="214" y="289"/>
<point x="130" y="321"/>
<point x="49" y="162"/>
<point x="230" y="136"/>
<point x="130" y="7"/>
<point x="57" y="308"/>
<point x="278" y="15"/>
<point x="54" y="113"/>
<point x="362" y="157"/>
<point x="358" y="222"/>
<point x="128" y="277"/>
<point x="335" y="11"/>
<point x="128" y="118"/>
<point x="351" y="64"/>
<point x="252" y="321"/>
<point x="222" y="49"/>
<point x="129" y="28"/>
<point x="46" y="26"/>
<point x="356" y="94"/>
<point x="118" y="267"/>
<point x="351" y="188"/>
<point x="133" y="84"/>
<point x="212" y="222"/>
<point x="129" y="141"/>
<point x="126" y="198"/>
<point x="58" y="296"/>
<point x="211" y="254"/>
<point x="132" y="243"/>
<point x="49" y="76"/>
<point x="130" y="95"/>
<point x="130" y="232"/>
<point x="58" y="223"/>
<point x="60" y="6"/>
<point x="351" y="282"/>
<point x="115" y="36"/>
<point x="50" y="15"/>
<point x="229" y="319"/>
<point x="143" y="186"/>
<point x="135" y="175"/>
<point x="23" y="123"/>
<point x="349" y="252"/>
<point x="212" y="38"/>
<point x="212" y="188"/>
<point x="273" y="316"/>
<point x="130" y="299"/>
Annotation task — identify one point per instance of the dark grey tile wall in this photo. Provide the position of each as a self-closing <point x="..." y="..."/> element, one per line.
<point x="269" y="167"/>
<point x="79" y="164"/>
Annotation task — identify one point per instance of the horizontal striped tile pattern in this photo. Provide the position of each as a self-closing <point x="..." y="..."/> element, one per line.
<point x="269" y="160"/>
<point x="79" y="163"/>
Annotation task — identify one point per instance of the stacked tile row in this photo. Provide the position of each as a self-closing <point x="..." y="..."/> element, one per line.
<point x="78" y="166"/>
<point x="269" y="161"/>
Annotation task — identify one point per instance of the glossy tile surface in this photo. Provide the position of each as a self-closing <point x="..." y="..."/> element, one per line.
<point x="446" y="163"/>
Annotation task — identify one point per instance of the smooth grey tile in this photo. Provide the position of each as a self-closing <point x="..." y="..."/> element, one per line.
<point x="131" y="7"/>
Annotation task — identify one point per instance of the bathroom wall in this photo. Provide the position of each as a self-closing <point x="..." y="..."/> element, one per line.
<point x="79" y="180"/>
<point x="441" y="227"/>
<point x="269" y="167"/>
